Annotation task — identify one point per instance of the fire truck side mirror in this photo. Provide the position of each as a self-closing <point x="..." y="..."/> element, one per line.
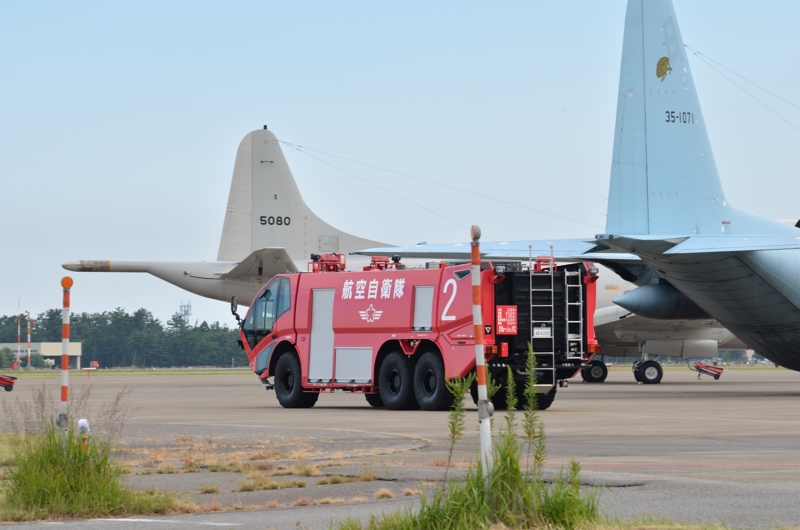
<point x="234" y="307"/>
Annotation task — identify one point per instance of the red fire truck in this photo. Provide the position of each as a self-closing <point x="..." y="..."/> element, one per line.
<point x="395" y="334"/>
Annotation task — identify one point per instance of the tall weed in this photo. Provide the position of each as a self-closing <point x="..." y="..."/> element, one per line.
<point x="506" y="495"/>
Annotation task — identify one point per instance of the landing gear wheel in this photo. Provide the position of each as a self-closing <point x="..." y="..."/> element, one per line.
<point x="594" y="372"/>
<point x="395" y="382"/>
<point x="288" y="387"/>
<point x="650" y="372"/>
<point x="636" y="371"/>
<point x="9" y="388"/>
<point x="429" y="383"/>
<point x="374" y="400"/>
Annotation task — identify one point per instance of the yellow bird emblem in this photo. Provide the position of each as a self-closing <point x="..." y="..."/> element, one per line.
<point x="663" y="68"/>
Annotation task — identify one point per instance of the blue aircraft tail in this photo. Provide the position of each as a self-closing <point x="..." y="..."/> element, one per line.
<point x="663" y="176"/>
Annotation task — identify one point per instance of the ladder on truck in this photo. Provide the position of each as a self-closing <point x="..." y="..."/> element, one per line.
<point x="542" y="315"/>
<point x="573" y="298"/>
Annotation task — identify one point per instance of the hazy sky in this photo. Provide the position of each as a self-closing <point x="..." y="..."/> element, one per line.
<point x="119" y="123"/>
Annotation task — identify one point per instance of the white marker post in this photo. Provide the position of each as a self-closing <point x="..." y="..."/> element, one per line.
<point x="63" y="420"/>
<point x="485" y="408"/>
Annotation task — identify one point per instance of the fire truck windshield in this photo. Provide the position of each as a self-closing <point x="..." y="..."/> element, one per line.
<point x="274" y="301"/>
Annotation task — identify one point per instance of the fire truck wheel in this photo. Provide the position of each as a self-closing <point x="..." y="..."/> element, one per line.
<point x="395" y="382"/>
<point x="498" y="399"/>
<point x="374" y="400"/>
<point x="543" y="401"/>
<point x="429" y="386"/>
<point x="650" y="372"/>
<point x="595" y="372"/>
<point x="288" y="387"/>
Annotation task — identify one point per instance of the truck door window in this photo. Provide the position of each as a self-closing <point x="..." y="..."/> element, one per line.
<point x="284" y="298"/>
<point x="273" y="302"/>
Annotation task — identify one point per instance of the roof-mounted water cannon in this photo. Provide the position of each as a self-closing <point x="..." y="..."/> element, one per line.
<point x="327" y="263"/>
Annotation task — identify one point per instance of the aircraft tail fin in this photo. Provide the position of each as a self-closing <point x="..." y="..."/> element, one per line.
<point x="664" y="180"/>
<point x="663" y="177"/>
<point x="266" y="210"/>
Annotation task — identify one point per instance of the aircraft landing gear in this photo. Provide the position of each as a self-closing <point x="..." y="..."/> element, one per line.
<point x="594" y="372"/>
<point x="648" y="372"/>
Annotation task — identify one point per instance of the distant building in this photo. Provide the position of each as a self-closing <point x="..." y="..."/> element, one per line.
<point x="48" y="350"/>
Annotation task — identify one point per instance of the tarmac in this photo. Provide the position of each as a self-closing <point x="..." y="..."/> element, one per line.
<point x="689" y="450"/>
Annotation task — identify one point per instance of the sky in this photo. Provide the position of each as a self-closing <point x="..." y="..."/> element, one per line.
<point x="119" y="123"/>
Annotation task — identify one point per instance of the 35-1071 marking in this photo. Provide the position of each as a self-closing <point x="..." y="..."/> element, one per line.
<point x="679" y="117"/>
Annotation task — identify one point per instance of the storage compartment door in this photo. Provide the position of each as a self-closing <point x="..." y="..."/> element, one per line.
<point x="353" y="366"/>
<point x="423" y="308"/>
<point x="320" y="363"/>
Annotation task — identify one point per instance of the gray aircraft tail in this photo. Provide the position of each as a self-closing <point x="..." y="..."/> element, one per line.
<point x="663" y="176"/>
<point x="265" y="208"/>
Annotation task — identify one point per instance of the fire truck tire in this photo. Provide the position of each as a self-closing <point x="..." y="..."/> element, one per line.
<point x="288" y="386"/>
<point x="430" y="388"/>
<point x="498" y="399"/>
<point x="374" y="400"/>
<point x="396" y="382"/>
<point x="650" y="372"/>
<point x="594" y="372"/>
<point x="543" y="401"/>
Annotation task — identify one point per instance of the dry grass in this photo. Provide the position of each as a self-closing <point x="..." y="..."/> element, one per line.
<point x="183" y="439"/>
<point x="209" y="488"/>
<point x="383" y="493"/>
<point x="275" y="504"/>
<point x="408" y="492"/>
<point x="441" y="462"/>
<point x="358" y="499"/>
<point x="302" y="501"/>
<point x="328" y="500"/>
<point x="256" y="481"/>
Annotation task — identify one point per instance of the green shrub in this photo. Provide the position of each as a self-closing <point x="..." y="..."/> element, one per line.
<point x="53" y="477"/>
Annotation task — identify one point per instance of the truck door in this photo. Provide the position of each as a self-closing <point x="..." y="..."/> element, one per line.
<point x="274" y="301"/>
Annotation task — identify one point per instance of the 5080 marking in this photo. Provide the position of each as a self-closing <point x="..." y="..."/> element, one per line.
<point x="280" y="221"/>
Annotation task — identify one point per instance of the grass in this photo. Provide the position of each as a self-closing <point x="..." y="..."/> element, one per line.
<point x="367" y="475"/>
<point x="209" y="488"/>
<point x="53" y="477"/>
<point x="505" y="495"/>
<point x="258" y="481"/>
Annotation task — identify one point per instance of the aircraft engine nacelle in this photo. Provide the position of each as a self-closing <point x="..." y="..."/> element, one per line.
<point x="702" y="349"/>
<point x="660" y="301"/>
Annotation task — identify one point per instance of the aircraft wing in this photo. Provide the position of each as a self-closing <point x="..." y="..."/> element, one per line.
<point x="562" y="249"/>
<point x="655" y="245"/>
<point x="265" y="262"/>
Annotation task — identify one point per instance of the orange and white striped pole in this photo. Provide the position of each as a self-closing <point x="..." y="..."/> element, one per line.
<point x="28" y="318"/>
<point x="63" y="420"/>
<point x="485" y="408"/>
<point x="19" y="343"/>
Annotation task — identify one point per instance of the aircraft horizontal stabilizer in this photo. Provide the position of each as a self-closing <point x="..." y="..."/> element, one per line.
<point x="265" y="262"/>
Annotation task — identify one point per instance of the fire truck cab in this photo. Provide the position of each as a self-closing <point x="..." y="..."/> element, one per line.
<point x="396" y="334"/>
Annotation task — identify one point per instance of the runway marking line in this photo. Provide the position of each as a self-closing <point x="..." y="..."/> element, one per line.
<point x="671" y="464"/>
<point x="702" y="418"/>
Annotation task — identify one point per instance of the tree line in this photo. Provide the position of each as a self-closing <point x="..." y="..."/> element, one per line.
<point x="119" y="339"/>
